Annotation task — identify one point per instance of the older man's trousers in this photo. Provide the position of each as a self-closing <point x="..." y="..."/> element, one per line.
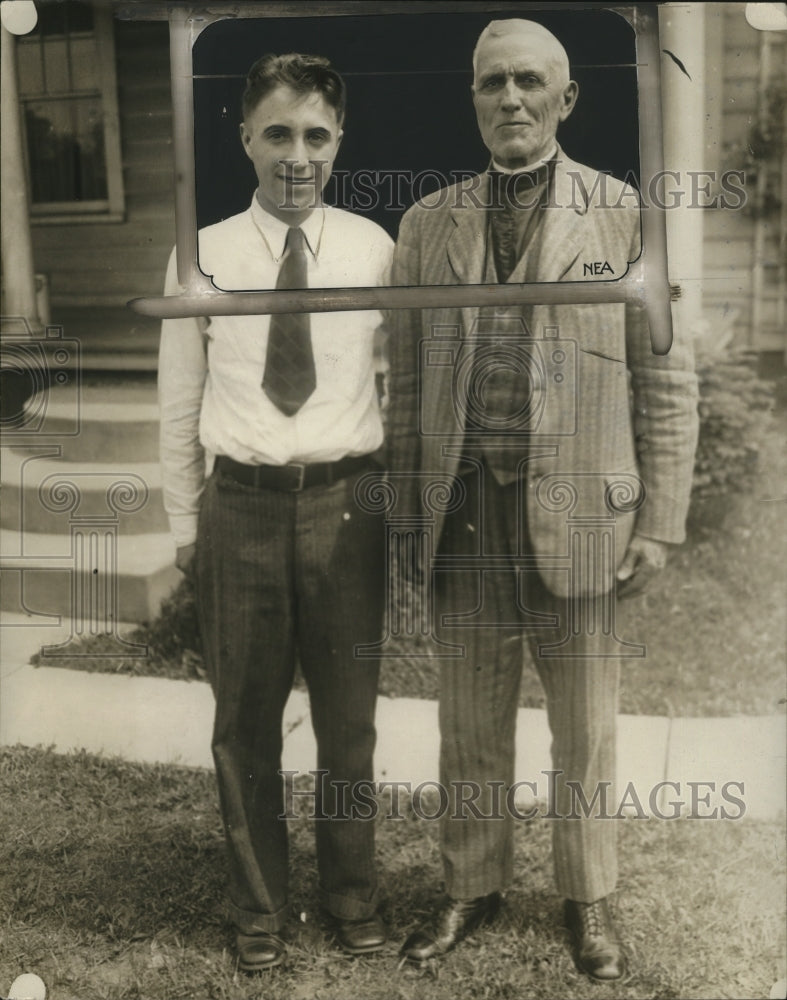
<point x="280" y="575"/>
<point x="490" y="611"/>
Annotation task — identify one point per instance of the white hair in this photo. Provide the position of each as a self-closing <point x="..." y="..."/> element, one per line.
<point x="517" y="25"/>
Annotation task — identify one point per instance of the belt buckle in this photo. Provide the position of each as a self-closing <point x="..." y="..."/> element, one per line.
<point x="300" y="468"/>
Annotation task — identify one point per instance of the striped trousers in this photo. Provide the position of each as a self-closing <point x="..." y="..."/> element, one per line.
<point x="281" y="575"/>
<point x="490" y="612"/>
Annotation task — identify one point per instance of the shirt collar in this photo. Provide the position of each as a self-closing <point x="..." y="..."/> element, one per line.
<point x="528" y="168"/>
<point x="274" y="231"/>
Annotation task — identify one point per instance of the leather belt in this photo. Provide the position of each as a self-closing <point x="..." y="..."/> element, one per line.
<point x="296" y="476"/>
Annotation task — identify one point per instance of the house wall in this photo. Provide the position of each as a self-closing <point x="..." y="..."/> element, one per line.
<point x="95" y="268"/>
<point x="733" y="63"/>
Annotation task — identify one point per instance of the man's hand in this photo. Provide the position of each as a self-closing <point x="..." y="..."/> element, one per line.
<point x="184" y="558"/>
<point x="645" y="557"/>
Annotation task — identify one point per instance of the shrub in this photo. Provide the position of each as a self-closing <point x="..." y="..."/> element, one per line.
<point x="176" y="628"/>
<point x="734" y="409"/>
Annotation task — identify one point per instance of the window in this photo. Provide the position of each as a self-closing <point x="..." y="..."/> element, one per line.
<point x="69" y="100"/>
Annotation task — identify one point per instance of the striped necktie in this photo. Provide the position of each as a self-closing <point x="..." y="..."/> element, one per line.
<point x="289" y="377"/>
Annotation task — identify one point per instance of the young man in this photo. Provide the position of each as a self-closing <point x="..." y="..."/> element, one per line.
<point x="546" y="431"/>
<point x="283" y="411"/>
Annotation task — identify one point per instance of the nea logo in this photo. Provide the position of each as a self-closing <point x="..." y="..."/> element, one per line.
<point x="597" y="267"/>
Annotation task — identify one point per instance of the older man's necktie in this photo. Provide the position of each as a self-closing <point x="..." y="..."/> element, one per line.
<point x="289" y="377"/>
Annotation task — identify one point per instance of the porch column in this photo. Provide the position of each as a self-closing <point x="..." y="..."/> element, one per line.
<point x="682" y="32"/>
<point x="18" y="274"/>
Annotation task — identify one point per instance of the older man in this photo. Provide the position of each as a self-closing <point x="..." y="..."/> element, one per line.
<point x="286" y="411"/>
<point x="518" y="407"/>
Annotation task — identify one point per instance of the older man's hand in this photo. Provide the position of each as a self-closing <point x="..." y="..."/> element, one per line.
<point x="644" y="559"/>
<point x="184" y="558"/>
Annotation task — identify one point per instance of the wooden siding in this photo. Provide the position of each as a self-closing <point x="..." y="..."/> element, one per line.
<point x="732" y="85"/>
<point x="95" y="268"/>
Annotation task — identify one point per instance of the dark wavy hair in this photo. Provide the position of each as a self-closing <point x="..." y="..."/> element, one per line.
<point x="304" y="74"/>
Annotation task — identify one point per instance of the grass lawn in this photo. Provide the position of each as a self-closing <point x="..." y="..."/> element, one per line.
<point x="111" y="879"/>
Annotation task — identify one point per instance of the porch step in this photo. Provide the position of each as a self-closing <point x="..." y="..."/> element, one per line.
<point x="95" y="422"/>
<point x="110" y="336"/>
<point x="83" y="532"/>
<point x="41" y="493"/>
<point x="90" y="577"/>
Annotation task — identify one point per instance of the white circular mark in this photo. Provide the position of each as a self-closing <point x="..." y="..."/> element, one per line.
<point x="18" y="16"/>
<point x="28" y="986"/>
<point x="767" y="16"/>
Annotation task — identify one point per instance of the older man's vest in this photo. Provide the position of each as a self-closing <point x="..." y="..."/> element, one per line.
<point x="502" y="370"/>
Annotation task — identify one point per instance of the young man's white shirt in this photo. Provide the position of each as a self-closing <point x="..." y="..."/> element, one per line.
<point x="210" y="374"/>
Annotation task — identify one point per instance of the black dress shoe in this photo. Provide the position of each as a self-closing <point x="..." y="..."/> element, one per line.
<point x="450" y="923"/>
<point x="258" y="952"/>
<point x="361" y="937"/>
<point x="597" y="948"/>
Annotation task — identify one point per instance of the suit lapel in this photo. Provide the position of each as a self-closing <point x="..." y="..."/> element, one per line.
<point x="466" y="245"/>
<point x="562" y="233"/>
<point x="561" y="236"/>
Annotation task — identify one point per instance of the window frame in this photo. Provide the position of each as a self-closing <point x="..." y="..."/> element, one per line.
<point x="105" y="210"/>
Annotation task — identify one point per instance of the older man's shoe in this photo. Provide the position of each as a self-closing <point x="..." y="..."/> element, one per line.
<point x="449" y="925"/>
<point x="258" y="952"/>
<point x="597" y="948"/>
<point x="362" y="937"/>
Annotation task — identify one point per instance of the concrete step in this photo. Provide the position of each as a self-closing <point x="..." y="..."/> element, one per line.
<point x="94" y="575"/>
<point x="83" y="531"/>
<point x="110" y="419"/>
<point x="42" y="493"/>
